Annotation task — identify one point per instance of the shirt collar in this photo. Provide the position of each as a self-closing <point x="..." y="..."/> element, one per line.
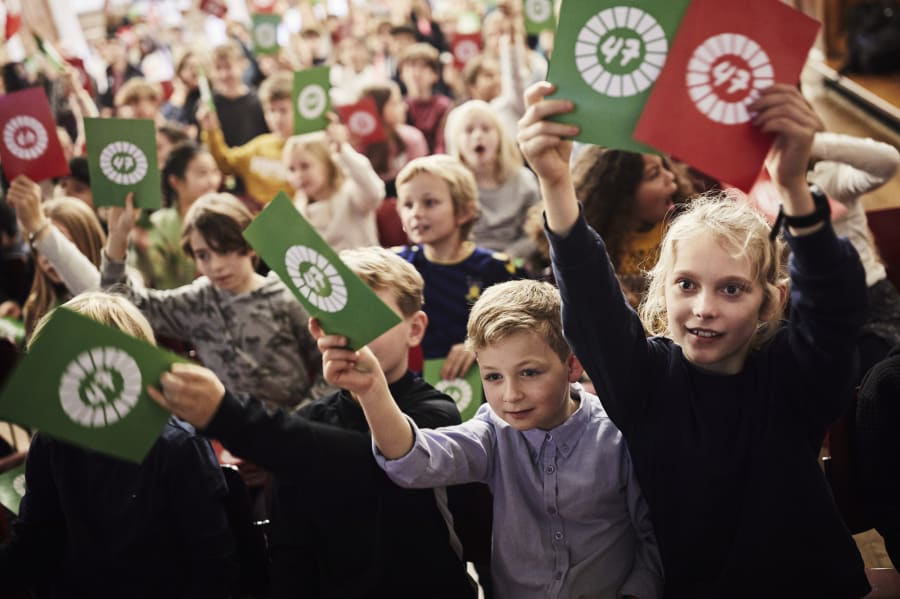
<point x="566" y="435"/>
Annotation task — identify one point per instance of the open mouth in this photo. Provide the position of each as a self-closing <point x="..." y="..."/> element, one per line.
<point x="480" y="149"/>
<point x="704" y="333"/>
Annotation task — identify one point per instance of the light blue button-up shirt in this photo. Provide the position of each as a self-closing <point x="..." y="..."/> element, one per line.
<point x="569" y="518"/>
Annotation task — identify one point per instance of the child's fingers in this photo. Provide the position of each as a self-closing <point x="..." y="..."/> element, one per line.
<point x="157" y="396"/>
<point x="538" y="113"/>
<point x="326" y="342"/>
<point x="537" y="91"/>
<point x="315" y="329"/>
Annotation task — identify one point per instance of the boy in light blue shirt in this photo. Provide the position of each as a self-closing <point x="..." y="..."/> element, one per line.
<point x="569" y="517"/>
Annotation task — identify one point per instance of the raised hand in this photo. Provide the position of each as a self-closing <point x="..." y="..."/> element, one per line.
<point x="191" y="392"/>
<point x="356" y="371"/>
<point x="121" y="222"/>
<point x="25" y="197"/>
<point x="458" y="362"/>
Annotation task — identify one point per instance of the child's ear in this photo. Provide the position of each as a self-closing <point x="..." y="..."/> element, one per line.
<point x="418" y="322"/>
<point x="575" y="369"/>
<point x="465" y="214"/>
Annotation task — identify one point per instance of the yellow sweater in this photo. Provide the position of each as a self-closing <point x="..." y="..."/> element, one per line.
<point x="257" y="162"/>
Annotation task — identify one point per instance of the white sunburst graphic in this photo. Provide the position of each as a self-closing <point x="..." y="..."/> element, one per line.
<point x="725" y="74"/>
<point x="18" y="485"/>
<point x="311" y="101"/>
<point x="123" y="162"/>
<point x="25" y="137"/>
<point x="361" y="123"/>
<point x="459" y="391"/>
<point x="620" y="51"/>
<point x="100" y="386"/>
<point x="538" y="10"/>
<point x="316" y="278"/>
<point x="266" y="35"/>
<point x="466" y="50"/>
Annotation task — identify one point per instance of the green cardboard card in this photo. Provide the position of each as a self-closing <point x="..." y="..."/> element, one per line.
<point x="12" y="488"/>
<point x="606" y="57"/>
<point x="84" y="382"/>
<point x="265" y="33"/>
<point x="205" y="90"/>
<point x="311" y="100"/>
<point x="12" y="329"/>
<point x="465" y="391"/>
<point x="328" y="290"/>
<point x="538" y="16"/>
<point x="121" y="158"/>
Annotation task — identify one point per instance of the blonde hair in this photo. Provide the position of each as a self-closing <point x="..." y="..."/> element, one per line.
<point x="83" y="225"/>
<point x="316" y="144"/>
<point x="279" y="86"/>
<point x="109" y="309"/>
<point x="228" y="51"/>
<point x="459" y="179"/>
<point x="382" y="269"/>
<point x="521" y="306"/>
<point x="508" y="160"/>
<point x="738" y="229"/>
<point x="136" y="88"/>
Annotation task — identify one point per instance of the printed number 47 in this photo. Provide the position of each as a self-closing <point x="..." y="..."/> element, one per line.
<point x="629" y="48"/>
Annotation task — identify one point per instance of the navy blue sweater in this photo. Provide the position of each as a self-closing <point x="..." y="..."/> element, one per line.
<point x="728" y="464"/>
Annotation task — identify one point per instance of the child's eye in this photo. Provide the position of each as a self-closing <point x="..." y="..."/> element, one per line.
<point x="201" y="255"/>
<point x="491" y="376"/>
<point x="733" y="289"/>
<point x="685" y="284"/>
<point x="429" y="202"/>
<point x="530" y="372"/>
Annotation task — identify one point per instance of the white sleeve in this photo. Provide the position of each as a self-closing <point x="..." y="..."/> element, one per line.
<point x="851" y="166"/>
<point x="75" y="269"/>
<point x="369" y="185"/>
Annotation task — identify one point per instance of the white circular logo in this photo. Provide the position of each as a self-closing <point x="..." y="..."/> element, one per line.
<point x="361" y="123"/>
<point x="266" y="35"/>
<point x="25" y="137"/>
<point x="459" y="391"/>
<point x="123" y="162"/>
<point x="466" y="50"/>
<point x="620" y="51"/>
<point x="538" y="11"/>
<point x="725" y="74"/>
<point x="316" y="278"/>
<point x="311" y="101"/>
<point x="18" y="484"/>
<point x="99" y="387"/>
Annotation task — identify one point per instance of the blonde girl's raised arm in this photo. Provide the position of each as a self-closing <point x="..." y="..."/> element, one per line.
<point x="359" y="170"/>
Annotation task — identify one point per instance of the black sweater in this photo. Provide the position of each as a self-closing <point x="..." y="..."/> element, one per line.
<point x="728" y="464"/>
<point x="340" y="527"/>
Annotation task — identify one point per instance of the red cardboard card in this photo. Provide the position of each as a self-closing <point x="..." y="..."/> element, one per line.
<point x="263" y="5"/>
<point x="466" y="46"/>
<point x="217" y="8"/>
<point x="724" y="53"/>
<point x="28" y="141"/>
<point x="363" y="121"/>
<point x="225" y="457"/>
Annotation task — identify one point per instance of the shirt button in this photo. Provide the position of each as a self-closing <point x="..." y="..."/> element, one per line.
<point x="558" y="536"/>
<point x="549" y="437"/>
<point x="550" y="470"/>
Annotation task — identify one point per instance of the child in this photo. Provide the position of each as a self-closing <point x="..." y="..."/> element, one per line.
<point x="506" y="188"/>
<point x="84" y="511"/>
<point x="238" y="108"/>
<point x="725" y="418"/>
<point x="626" y="197"/>
<point x="437" y="206"/>
<point x="538" y="444"/>
<point x="188" y="173"/>
<point x="336" y="188"/>
<point x="404" y="142"/>
<point x="340" y="528"/>
<point x="419" y="69"/>
<point x="139" y="99"/>
<point x="258" y="162"/>
<point x="248" y="328"/>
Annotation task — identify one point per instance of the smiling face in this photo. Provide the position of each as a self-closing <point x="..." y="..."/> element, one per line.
<point x="279" y="116"/>
<point x="713" y="303"/>
<point x="653" y="198"/>
<point x="525" y="382"/>
<point x="201" y="176"/>
<point x="428" y="213"/>
<point x="479" y="141"/>
<point x="230" y="271"/>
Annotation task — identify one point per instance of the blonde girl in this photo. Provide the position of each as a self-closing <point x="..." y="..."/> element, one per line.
<point x="335" y="187"/>
<point x="506" y="188"/>
<point x="723" y="410"/>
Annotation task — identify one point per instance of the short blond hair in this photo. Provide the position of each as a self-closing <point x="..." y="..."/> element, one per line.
<point x="382" y="269"/>
<point x="136" y="88"/>
<point x="738" y="229"/>
<point x="316" y="144"/>
<point x="279" y="86"/>
<point x="509" y="159"/>
<point x="229" y="51"/>
<point x="106" y="308"/>
<point x="521" y="306"/>
<point x="459" y="179"/>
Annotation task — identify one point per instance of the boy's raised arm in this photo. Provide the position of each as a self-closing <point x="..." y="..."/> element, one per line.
<point x="360" y="373"/>
<point x="543" y="145"/>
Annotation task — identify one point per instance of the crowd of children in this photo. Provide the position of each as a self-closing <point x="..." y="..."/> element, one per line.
<point x="650" y="418"/>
